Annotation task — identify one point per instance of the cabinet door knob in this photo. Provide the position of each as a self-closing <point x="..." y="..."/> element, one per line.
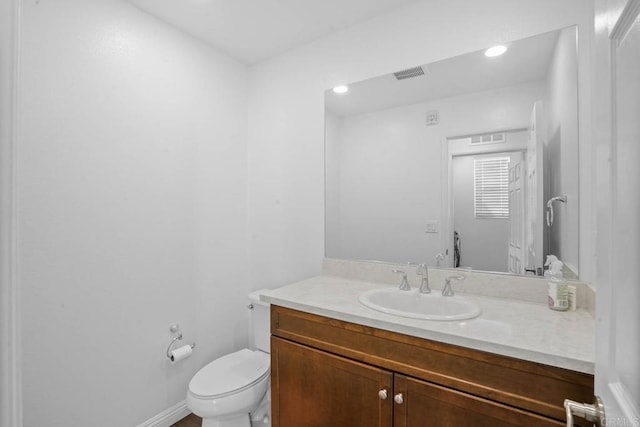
<point x="382" y="394"/>
<point x="398" y="398"/>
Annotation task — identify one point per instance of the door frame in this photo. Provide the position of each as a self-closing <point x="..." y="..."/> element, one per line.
<point x="10" y="331"/>
<point x="451" y="223"/>
<point x="446" y="178"/>
<point x="614" y="24"/>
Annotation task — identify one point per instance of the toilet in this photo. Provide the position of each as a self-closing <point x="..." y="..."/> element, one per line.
<point x="233" y="390"/>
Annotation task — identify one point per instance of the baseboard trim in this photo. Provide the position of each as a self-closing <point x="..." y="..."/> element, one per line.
<point x="168" y="417"/>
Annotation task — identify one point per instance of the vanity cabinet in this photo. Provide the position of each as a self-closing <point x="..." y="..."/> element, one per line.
<point x="315" y="388"/>
<point x="327" y="372"/>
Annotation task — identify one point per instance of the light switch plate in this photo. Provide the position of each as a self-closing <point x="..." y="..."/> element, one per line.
<point x="433" y="117"/>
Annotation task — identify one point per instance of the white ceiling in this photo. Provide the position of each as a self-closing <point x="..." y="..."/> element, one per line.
<point x="253" y="30"/>
<point x="525" y="61"/>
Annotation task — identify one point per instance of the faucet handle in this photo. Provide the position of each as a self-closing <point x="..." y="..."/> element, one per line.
<point x="404" y="283"/>
<point x="447" y="291"/>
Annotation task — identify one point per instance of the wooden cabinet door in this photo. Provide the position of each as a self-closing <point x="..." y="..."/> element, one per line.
<point x="313" y="388"/>
<point x="425" y="404"/>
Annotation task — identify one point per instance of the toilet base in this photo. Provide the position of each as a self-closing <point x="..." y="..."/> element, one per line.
<point x="261" y="416"/>
<point x="239" y="421"/>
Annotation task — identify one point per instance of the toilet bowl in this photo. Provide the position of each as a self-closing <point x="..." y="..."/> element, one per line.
<point x="233" y="389"/>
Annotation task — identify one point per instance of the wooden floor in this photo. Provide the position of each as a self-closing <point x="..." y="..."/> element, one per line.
<point x="189" y="421"/>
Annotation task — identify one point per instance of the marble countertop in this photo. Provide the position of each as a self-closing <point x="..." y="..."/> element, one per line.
<point x="523" y="330"/>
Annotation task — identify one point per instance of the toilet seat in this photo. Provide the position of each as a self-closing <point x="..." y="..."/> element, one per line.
<point x="230" y="374"/>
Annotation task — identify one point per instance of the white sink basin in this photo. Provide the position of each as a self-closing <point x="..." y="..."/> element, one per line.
<point x="415" y="305"/>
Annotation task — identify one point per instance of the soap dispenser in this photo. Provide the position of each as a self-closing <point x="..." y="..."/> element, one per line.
<point x="556" y="285"/>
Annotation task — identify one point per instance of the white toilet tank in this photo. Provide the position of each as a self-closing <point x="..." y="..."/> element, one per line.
<point x="260" y="321"/>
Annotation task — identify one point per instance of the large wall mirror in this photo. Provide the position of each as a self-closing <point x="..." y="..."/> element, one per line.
<point x="469" y="162"/>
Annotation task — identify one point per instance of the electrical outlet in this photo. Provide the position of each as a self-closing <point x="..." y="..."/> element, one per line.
<point x="432" y="226"/>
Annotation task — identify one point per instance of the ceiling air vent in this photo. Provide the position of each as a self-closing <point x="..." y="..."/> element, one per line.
<point x="409" y="73"/>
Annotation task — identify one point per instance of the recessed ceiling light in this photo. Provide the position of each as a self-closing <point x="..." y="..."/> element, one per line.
<point x="341" y="89"/>
<point x="495" y="51"/>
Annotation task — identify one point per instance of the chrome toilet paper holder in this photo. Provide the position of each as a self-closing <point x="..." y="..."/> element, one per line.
<point x="174" y="328"/>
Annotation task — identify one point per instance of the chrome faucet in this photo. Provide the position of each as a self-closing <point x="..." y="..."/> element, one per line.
<point x="404" y="284"/>
<point x="447" y="291"/>
<point x="424" y="283"/>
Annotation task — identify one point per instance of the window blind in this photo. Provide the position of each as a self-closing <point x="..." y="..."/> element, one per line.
<point x="491" y="187"/>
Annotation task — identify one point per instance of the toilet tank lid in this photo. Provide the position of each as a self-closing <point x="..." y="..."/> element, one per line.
<point x="230" y="373"/>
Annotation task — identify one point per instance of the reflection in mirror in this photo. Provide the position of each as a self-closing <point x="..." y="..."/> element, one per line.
<point x="468" y="162"/>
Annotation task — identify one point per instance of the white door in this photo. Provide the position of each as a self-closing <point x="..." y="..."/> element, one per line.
<point x="534" y="194"/>
<point x="516" y="215"/>
<point x="617" y="78"/>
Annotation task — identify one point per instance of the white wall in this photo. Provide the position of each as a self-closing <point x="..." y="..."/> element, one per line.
<point x="286" y="185"/>
<point x="390" y="171"/>
<point x="562" y="150"/>
<point x="132" y="206"/>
